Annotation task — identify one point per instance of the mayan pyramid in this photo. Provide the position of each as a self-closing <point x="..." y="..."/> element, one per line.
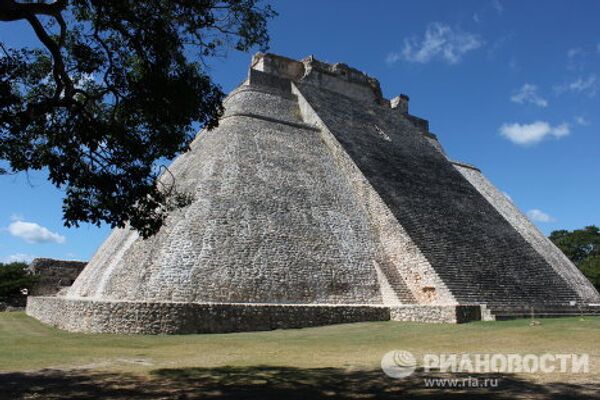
<point x="318" y="201"/>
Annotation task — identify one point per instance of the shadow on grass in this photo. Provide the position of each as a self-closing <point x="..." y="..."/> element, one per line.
<point x="266" y="382"/>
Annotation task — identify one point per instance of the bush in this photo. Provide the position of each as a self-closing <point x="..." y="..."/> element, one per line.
<point x="13" y="278"/>
<point x="591" y="269"/>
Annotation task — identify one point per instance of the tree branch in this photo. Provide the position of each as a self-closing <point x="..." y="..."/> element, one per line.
<point x="58" y="71"/>
<point x="10" y="10"/>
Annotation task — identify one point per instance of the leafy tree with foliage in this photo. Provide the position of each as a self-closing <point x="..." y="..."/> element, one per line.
<point x="13" y="278"/>
<point x="582" y="246"/>
<point x="591" y="269"/>
<point x="116" y="88"/>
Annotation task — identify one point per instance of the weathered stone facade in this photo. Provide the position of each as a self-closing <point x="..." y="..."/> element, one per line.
<point x="317" y="197"/>
<point x="53" y="275"/>
<point x="453" y="314"/>
<point x="172" y="317"/>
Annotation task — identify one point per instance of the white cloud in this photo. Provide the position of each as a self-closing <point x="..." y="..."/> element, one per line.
<point x="579" y="120"/>
<point x="539" y="216"/>
<point x="18" y="257"/>
<point x="439" y="42"/>
<point x="526" y="134"/>
<point x="589" y="86"/>
<point x="575" y="58"/>
<point x="34" y="233"/>
<point x="498" y="6"/>
<point x="393" y="58"/>
<point x="528" y="94"/>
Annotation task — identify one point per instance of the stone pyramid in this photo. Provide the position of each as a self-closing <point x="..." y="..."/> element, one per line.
<point x="317" y="201"/>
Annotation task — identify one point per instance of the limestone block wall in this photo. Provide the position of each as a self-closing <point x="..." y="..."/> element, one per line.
<point x="54" y="275"/>
<point x="264" y="102"/>
<point x="273" y="221"/>
<point x="452" y="314"/>
<point x="80" y="315"/>
<point x="479" y="256"/>
<point x="403" y="268"/>
<point x="553" y="256"/>
<point x="90" y="316"/>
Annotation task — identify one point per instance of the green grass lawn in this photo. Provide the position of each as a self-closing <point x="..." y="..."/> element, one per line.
<point x="27" y="346"/>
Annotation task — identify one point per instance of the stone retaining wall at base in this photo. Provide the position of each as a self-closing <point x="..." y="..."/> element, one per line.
<point x="79" y="315"/>
<point x="453" y="314"/>
<point x="89" y="316"/>
<point x="545" y="311"/>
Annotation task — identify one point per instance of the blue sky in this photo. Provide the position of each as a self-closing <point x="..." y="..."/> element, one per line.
<point x="510" y="86"/>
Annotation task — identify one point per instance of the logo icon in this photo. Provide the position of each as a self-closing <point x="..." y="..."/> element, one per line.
<point x="398" y="364"/>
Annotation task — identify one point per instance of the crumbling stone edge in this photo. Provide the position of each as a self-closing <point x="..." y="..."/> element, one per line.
<point x="89" y="316"/>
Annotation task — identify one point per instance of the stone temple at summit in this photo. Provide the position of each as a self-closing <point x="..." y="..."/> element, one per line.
<point x="317" y="201"/>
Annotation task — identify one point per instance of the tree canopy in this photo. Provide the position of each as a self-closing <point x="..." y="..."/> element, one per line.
<point x="114" y="89"/>
<point x="582" y="246"/>
<point x="14" y="278"/>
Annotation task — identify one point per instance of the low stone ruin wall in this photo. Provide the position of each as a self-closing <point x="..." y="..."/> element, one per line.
<point x="54" y="275"/>
<point x="452" y="314"/>
<point x="89" y="316"/>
